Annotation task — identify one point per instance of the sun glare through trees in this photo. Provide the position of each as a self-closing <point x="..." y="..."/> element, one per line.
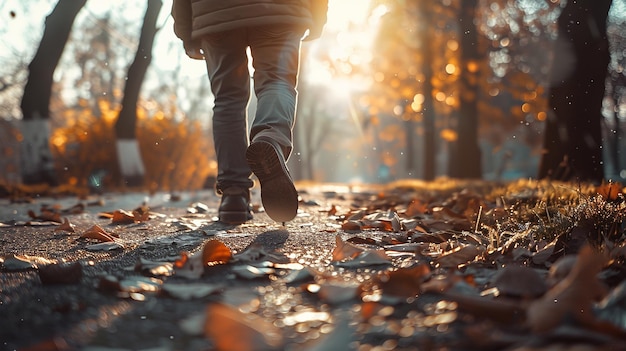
<point x="393" y="89"/>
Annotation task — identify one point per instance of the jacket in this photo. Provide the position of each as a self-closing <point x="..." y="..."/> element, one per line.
<point x="196" y="18"/>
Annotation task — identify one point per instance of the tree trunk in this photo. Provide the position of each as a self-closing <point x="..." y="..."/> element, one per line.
<point x="428" y="107"/>
<point x="573" y="135"/>
<point x="465" y="160"/>
<point x="37" y="165"/>
<point x="129" y="155"/>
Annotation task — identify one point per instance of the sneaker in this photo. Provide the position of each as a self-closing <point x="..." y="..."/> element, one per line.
<point x="278" y="194"/>
<point x="235" y="206"/>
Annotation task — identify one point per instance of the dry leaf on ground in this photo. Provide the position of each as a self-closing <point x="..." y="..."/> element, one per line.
<point x="98" y="233"/>
<point x="214" y="252"/>
<point x="459" y="255"/>
<point x="232" y="330"/>
<point x="66" y="226"/>
<point x="572" y="297"/>
<point x="345" y="250"/>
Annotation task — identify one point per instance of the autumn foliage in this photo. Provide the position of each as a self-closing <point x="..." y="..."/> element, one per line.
<point x="177" y="154"/>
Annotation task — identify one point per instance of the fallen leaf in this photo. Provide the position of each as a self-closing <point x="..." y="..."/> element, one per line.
<point x="122" y="217"/>
<point x="344" y="250"/>
<point x="459" y="255"/>
<point x="404" y="282"/>
<point x="501" y="311"/>
<point x="66" y="226"/>
<point x="542" y="256"/>
<point x="257" y="252"/>
<point x="416" y="208"/>
<point x="106" y="246"/>
<point x="98" y="233"/>
<point x="561" y="269"/>
<point x="364" y="259"/>
<point x="571" y="297"/>
<point x="76" y="209"/>
<point x="232" y="330"/>
<point x="519" y="281"/>
<point x="351" y="225"/>
<point x="215" y="252"/>
<point x="610" y="191"/>
<point x="46" y="215"/>
<point x="14" y="262"/>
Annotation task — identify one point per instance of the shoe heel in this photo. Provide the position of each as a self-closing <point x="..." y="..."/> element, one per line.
<point x="233" y="217"/>
<point x="278" y="194"/>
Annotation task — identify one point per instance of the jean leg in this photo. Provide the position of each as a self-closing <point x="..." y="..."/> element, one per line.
<point x="227" y="67"/>
<point x="275" y="56"/>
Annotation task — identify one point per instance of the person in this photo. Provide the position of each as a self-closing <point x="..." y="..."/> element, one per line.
<point x="221" y="32"/>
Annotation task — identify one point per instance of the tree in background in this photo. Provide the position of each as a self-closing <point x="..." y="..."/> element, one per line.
<point x="36" y="163"/>
<point x="128" y="152"/>
<point x="573" y="135"/>
<point x="465" y="156"/>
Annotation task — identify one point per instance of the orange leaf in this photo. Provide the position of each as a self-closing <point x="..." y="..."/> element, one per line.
<point x="122" y="217"/>
<point x="332" y="211"/>
<point x="344" y="250"/>
<point x="404" y="282"/>
<point x="610" y="191"/>
<point x="66" y="226"/>
<point x="215" y="251"/>
<point x="180" y="263"/>
<point x="232" y="330"/>
<point x="96" y="232"/>
<point x="416" y="208"/>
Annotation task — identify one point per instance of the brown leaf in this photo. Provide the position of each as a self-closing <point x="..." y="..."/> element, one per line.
<point x="610" y="191"/>
<point x="344" y="250"/>
<point x="96" y="232"/>
<point x="404" y="282"/>
<point x="122" y="217"/>
<point x="416" y="208"/>
<point x="351" y="225"/>
<point x="332" y="211"/>
<point x="46" y="215"/>
<point x="501" y="311"/>
<point x="572" y="297"/>
<point x="459" y="255"/>
<point x="232" y="330"/>
<point x="66" y="226"/>
<point x="215" y="252"/>
<point x="519" y="281"/>
<point x="366" y="258"/>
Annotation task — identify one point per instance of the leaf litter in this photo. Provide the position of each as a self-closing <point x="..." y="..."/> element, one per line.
<point x="524" y="266"/>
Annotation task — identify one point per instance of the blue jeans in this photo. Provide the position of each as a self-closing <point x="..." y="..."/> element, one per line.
<point x="275" y="51"/>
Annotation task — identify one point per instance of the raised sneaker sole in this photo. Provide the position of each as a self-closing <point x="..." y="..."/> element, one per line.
<point x="278" y="194"/>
